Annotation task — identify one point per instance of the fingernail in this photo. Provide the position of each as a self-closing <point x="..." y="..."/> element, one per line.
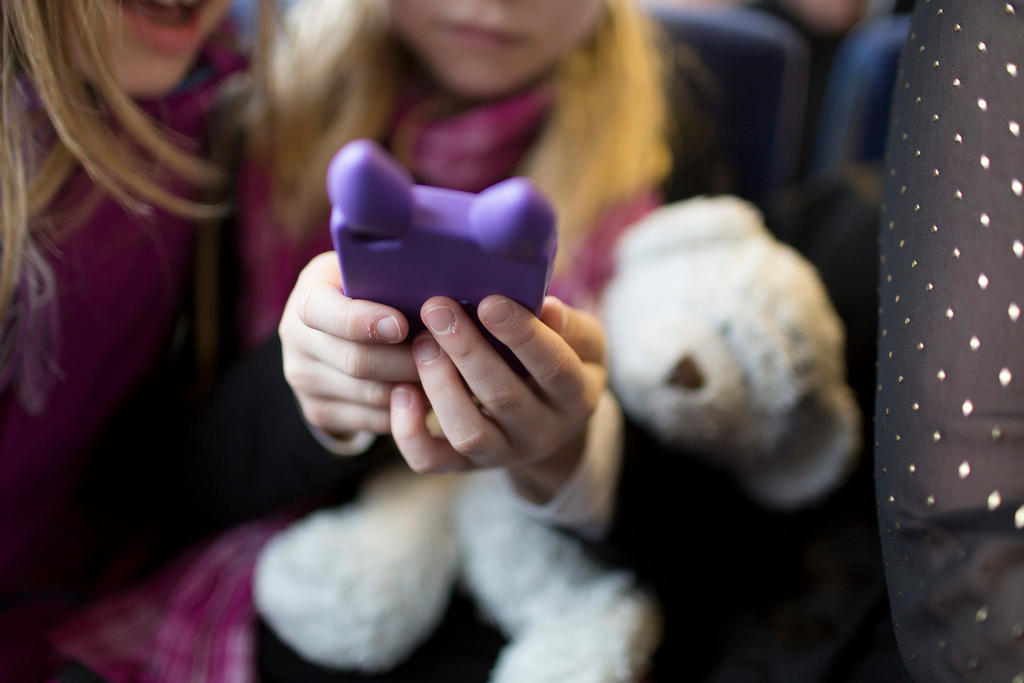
<point x="565" y="316"/>
<point x="425" y="348"/>
<point x="440" y="319"/>
<point x="401" y="398"/>
<point x="387" y="329"/>
<point x="498" y="313"/>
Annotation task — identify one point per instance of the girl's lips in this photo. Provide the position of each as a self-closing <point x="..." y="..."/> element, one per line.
<point x="169" y="28"/>
<point x="483" y="38"/>
<point x="163" y="12"/>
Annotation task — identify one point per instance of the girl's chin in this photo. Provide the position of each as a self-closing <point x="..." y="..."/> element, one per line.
<point x="146" y="80"/>
<point x="476" y="88"/>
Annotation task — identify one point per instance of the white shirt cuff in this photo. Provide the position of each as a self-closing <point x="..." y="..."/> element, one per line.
<point x="354" y="444"/>
<point x="585" y="503"/>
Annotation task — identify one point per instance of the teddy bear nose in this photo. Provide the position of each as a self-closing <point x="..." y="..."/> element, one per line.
<point x="686" y="374"/>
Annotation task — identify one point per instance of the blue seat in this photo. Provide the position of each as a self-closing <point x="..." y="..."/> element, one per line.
<point x="760" y="65"/>
<point x="855" y="109"/>
<point x="243" y="14"/>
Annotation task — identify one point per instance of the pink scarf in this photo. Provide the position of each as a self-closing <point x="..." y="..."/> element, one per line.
<point x="472" y="149"/>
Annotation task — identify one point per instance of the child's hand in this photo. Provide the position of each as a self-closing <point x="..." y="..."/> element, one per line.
<point x="342" y="356"/>
<point x="491" y="416"/>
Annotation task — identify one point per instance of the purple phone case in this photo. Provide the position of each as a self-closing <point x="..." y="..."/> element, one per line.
<point x="400" y="243"/>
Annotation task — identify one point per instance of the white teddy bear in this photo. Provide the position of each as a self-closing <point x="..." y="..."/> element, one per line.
<point x="722" y="341"/>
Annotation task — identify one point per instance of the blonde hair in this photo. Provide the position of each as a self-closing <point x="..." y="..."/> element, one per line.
<point x="604" y="141"/>
<point x="45" y="46"/>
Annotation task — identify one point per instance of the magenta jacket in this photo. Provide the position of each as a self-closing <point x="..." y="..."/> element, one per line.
<point x="120" y="278"/>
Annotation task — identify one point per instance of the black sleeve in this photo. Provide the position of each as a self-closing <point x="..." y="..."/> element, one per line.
<point x="949" y="435"/>
<point x="248" y="449"/>
<point x="254" y="451"/>
<point x="169" y="469"/>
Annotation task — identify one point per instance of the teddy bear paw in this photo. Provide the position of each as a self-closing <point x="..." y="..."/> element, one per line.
<point x="360" y="586"/>
<point x="609" y="641"/>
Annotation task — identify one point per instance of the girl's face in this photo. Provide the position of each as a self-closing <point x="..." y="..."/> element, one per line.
<point x="482" y="49"/>
<point x="156" y="42"/>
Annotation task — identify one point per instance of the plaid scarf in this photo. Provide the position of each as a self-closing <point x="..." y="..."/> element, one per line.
<point x="470" y="149"/>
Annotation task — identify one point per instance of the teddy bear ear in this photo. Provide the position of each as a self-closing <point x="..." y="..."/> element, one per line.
<point x="370" y="190"/>
<point x="514" y="219"/>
